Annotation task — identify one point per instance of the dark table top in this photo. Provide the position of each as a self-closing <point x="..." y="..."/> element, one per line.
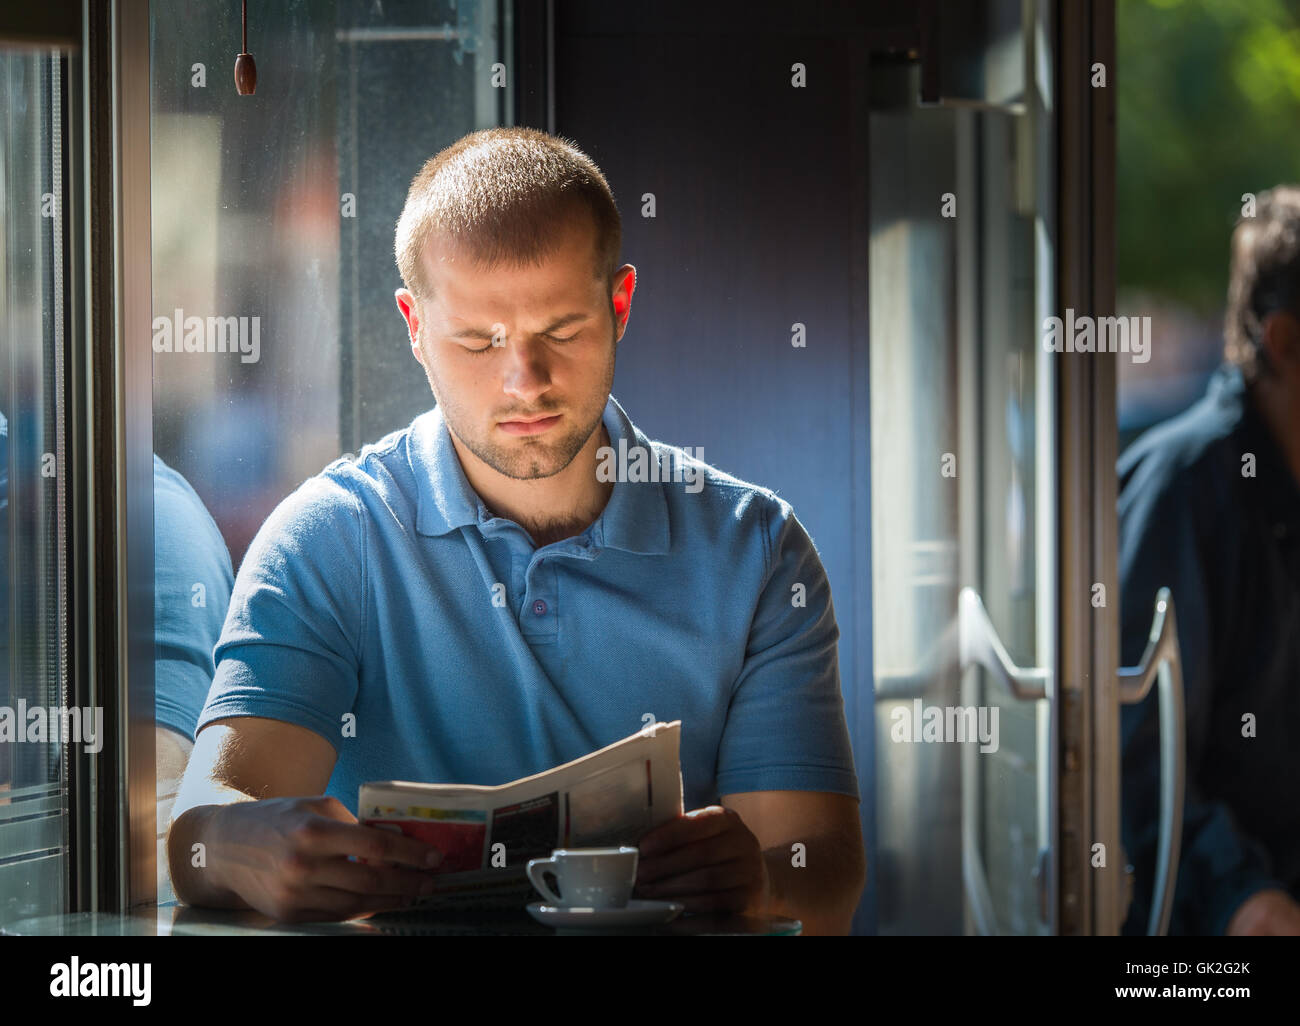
<point x="178" y="920"/>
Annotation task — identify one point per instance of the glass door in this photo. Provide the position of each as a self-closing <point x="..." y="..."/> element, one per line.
<point x="964" y="483"/>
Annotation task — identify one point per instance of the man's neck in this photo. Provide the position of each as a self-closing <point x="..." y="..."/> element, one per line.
<point x="1279" y="410"/>
<point x="551" y="508"/>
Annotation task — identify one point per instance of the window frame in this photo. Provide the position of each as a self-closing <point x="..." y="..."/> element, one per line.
<point x="107" y="548"/>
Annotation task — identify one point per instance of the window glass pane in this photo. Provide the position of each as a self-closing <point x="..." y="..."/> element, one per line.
<point x="33" y="756"/>
<point x="277" y="343"/>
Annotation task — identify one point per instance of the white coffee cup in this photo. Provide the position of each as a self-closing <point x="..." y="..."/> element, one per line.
<point x="587" y="877"/>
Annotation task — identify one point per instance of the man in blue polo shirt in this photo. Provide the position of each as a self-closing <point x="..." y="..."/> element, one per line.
<point x="492" y="591"/>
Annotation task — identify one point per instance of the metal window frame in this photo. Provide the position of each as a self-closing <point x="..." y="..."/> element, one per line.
<point x="108" y="470"/>
<point x="53" y="24"/>
<point x="1090" y="899"/>
<point x="120" y="447"/>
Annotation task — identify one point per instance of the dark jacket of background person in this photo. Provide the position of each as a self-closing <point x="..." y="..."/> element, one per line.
<point x="1228" y="547"/>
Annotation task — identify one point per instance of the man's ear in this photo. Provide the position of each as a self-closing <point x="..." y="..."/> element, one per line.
<point x="409" y="308"/>
<point x="624" y="286"/>
<point x="1280" y="336"/>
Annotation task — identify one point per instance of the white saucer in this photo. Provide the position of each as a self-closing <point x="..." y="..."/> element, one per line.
<point x="636" y="912"/>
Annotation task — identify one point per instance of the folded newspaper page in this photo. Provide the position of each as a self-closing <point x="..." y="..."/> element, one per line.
<point x="486" y="835"/>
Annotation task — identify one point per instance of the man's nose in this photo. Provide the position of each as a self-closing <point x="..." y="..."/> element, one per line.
<point x="527" y="373"/>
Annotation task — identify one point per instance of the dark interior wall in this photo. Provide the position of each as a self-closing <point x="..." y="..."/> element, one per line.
<point x="761" y="221"/>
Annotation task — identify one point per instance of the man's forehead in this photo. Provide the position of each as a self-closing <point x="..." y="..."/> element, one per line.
<point x="565" y="274"/>
<point x="492" y="302"/>
<point x="539" y="292"/>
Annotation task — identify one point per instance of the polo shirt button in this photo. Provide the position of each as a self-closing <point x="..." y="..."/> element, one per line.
<point x="539" y="607"/>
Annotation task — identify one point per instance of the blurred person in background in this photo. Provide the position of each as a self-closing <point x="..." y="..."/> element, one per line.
<point x="1210" y="507"/>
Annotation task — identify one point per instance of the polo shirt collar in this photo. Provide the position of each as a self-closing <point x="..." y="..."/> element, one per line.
<point x="635" y="519"/>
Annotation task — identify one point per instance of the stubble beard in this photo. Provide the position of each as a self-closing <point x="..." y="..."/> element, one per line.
<point x="530" y="458"/>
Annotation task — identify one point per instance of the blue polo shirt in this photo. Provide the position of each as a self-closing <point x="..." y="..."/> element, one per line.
<point x="192" y="582"/>
<point x="383" y="607"/>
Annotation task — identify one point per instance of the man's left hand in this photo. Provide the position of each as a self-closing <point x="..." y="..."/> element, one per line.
<point x="707" y="859"/>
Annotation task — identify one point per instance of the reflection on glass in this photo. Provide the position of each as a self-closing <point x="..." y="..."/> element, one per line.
<point x="959" y="485"/>
<point x="193" y="579"/>
<point x="277" y="346"/>
<point x="33" y="757"/>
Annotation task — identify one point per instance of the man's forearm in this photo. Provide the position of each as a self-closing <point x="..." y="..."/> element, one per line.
<point x="822" y="888"/>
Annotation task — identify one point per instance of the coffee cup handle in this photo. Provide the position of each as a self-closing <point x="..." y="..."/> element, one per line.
<point x="536" y="869"/>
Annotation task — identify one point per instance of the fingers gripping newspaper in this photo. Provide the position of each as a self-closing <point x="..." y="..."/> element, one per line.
<point x="486" y="835"/>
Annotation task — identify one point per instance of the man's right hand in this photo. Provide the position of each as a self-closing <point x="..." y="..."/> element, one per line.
<point x="1271" y="913"/>
<point x="289" y="859"/>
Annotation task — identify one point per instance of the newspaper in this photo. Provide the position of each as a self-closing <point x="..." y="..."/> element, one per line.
<point x="609" y="797"/>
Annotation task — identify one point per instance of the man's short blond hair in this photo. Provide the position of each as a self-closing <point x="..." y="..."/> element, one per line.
<point x="504" y="196"/>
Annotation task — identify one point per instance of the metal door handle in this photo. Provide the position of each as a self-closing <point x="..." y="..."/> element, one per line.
<point x="1162" y="661"/>
<point x="978" y="644"/>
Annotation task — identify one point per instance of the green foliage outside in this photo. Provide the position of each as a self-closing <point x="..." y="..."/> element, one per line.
<point x="1208" y="108"/>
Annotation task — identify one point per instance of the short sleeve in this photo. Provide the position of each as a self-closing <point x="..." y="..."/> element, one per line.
<point x="290" y="647"/>
<point x="785" y="727"/>
<point x="192" y="584"/>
